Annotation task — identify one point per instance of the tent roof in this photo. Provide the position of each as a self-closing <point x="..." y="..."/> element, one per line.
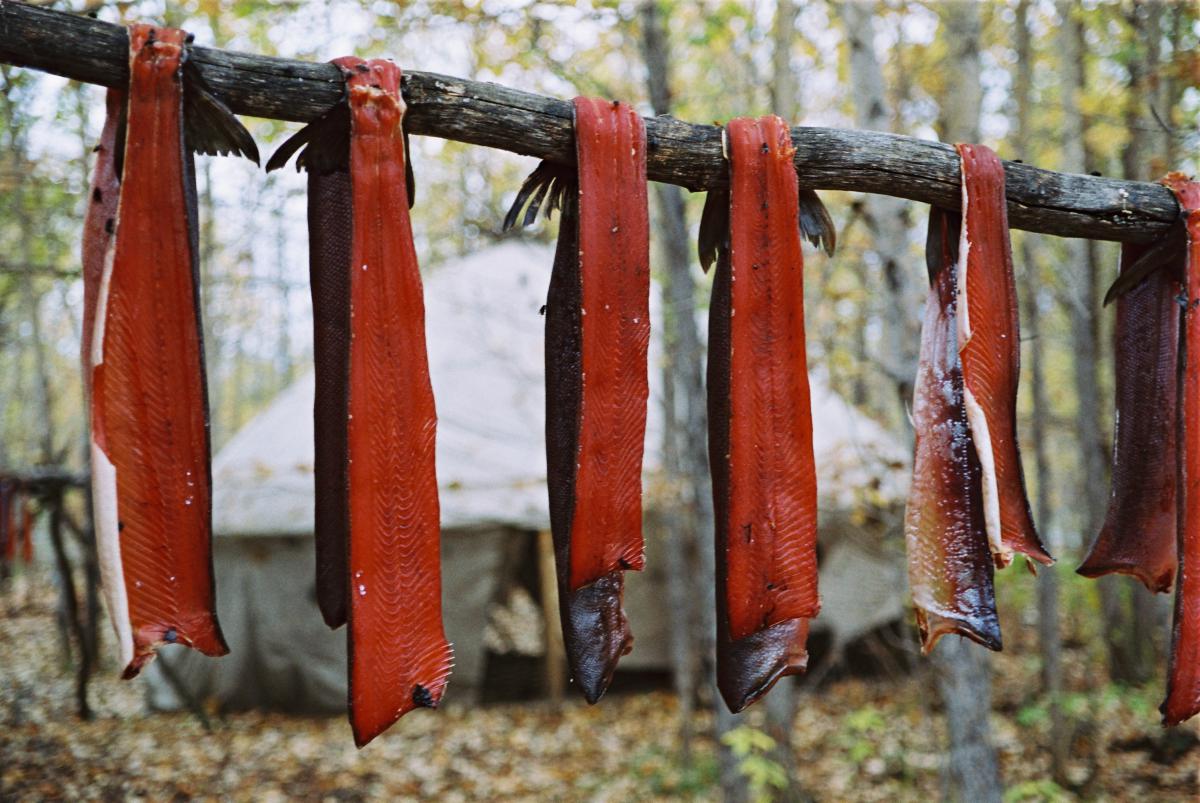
<point x="485" y="352"/>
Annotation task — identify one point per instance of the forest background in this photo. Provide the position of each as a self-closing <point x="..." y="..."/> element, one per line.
<point x="1110" y="88"/>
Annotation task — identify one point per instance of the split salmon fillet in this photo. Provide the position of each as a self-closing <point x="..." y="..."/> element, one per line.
<point x="760" y="420"/>
<point x="1138" y="536"/>
<point x="989" y="344"/>
<point x="150" y="446"/>
<point x="950" y="567"/>
<point x="399" y="656"/>
<point x="1183" y="679"/>
<point x="597" y="336"/>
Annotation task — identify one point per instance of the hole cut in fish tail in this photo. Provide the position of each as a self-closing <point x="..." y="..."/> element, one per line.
<point x="377" y="513"/>
<point x="149" y="407"/>
<point x="1183" y="675"/>
<point x="989" y="345"/>
<point x="760" y="421"/>
<point x="950" y="568"/>
<point x="1138" y="536"/>
<point x="597" y="337"/>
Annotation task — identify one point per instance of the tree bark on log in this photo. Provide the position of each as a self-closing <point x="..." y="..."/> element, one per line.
<point x="682" y="153"/>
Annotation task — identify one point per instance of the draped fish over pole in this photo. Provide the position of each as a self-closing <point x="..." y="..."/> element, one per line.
<point x="378" y="528"/>
<point x="989" y="345"/>
<point x="760" y="423"/>
<point x="597" y="338"/>
<point x="149" y="408"/>
<point x="1138" y="536"/>
<point x="950" y="567"/>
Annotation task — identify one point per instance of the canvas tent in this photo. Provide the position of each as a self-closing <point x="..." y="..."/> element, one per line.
<point x="485" y="346"/>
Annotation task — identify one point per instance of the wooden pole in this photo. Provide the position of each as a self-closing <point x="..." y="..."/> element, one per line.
<point x="682" y="153"/>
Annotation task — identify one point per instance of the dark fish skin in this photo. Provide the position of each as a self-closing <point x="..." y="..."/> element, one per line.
<point x="99" y="223"/>
<point x="1138" y="536"/>
<point x="330" y="228"/>
<point x="950" y="567"/>
<point x="595" y="629"/>
<point x="1183" y="674"/>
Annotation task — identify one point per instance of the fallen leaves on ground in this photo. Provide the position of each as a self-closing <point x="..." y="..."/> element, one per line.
<point x="854" y="739"/>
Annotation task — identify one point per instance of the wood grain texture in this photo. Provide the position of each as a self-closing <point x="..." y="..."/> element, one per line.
<point x="678" y="152"/>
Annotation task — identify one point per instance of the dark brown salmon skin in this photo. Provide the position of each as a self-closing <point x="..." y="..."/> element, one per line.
<point x="1183" y="679"/>
<point x="989" y="344"/>
<point x="950" y="569"/>
<point x="760" y="422"/>
<point x="150" y="455"/>
<point x="100" y="223"/>
<point x="1138" y="536"/>
<point x="326" y="158"/>
<point x="597" y="337"/>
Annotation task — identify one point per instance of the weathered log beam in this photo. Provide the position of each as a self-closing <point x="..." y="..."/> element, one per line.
<point x="680" y="153"/>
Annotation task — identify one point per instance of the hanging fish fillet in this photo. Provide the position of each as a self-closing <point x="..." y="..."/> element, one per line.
<point x="1183" y="679"/>
<point x="597" y="336"/>
<point x="8" y="522"/>
<point x="1139" y="532"/>
<point x="949" y="564"/>
<point x="150" y="447"/>
<point x="366" y="279"/>
<point x="760" y="422"/>
<point x="990" y="347"/>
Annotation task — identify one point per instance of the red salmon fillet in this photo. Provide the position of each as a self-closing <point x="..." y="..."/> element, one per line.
<point x="950" y="568"/>
<point x="149" y="409"/>
<point x="399" y="657"/>
<point x="614" y="267"/>
<point x="990" y="346"/>
<point x="1138" y="536"/>
<point x="1183" y="679"/>
<point x="764" y="477"/>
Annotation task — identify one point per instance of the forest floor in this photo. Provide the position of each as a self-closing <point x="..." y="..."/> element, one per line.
<point x="854" y="739"/>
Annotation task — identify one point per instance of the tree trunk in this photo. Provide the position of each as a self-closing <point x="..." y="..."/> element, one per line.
<point x="885" y="217"/>
<point x="1049" y="636"/>
<point x="964" y="669"/>
<point x="689" y="538"/>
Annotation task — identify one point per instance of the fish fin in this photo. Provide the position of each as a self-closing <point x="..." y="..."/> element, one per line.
<point x="815" y="222"/>
<point x="1167" y="253"/>
<point x="543" y="187"/>
<point x="714" y="227"/>
<point x="325" y="142"/>
<point x="211" y="128"/>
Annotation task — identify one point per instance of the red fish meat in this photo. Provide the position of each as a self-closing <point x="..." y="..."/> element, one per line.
<point x="950" y="567"/>
<point x="1183" y="680"/>
<point x="760" y="421"/>
<point x="990" y="347"/>
<point x="1139" y="532"/>
<point x="150" y="445"/>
